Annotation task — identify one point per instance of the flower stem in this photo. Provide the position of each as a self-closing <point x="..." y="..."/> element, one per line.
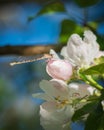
<point x="89" y="80"/>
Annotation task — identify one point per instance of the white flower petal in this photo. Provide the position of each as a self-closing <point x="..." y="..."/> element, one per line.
<point x="89" y="36"/>
<point x="99" y="54"/>
<point x="102" y="103"/>
<point x="65" y="55"/>
<point x="76" y="49"/>
<point x="53" y="118"/>
<point x="51" y="111"/>
<point x="91" y="90"/>
<point x="64" y="52"/>
<point x="81" y="52"/>
<point x="80" y="90"/>
<point x="42" y="96"/>
<point x="54" y="88"/>
<point x="54" y="54"/>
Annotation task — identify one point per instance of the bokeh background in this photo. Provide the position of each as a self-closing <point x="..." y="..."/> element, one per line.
<point x="37" y="22"/>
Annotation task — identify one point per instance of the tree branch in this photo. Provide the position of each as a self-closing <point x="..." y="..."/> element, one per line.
<point x="29" y="50"/>
<point x="20" y="1"/>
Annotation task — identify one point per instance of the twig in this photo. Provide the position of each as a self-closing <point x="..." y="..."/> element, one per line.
<point x="29" y="50"/>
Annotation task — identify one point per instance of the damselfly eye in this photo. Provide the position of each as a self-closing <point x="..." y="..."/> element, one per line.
<point x="27" y="59"/>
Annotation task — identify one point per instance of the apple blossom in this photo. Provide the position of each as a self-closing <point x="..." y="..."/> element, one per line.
<point x="59" y="69"/>
<point x="52" y="118"/>
<point x="80" y="90"/>
<point x="81" y="52"/>
<point x="57" y="111"/>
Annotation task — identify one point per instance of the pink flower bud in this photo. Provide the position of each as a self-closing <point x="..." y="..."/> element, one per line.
<point x="59" y="69"/>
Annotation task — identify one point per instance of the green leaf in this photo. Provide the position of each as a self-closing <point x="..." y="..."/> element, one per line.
<point x="95" y="70"/>
<point x="50" y="8"/>
<point x="86" y="3"/>
<point x="86" y="109"/>
<point x="100" y="39"/>
<point x="95" y="120"/>
<point x="67" y="28"/>
<point x="99" y="60"/>
<point x="93" y="24"/>
<point x="102" y="95"/>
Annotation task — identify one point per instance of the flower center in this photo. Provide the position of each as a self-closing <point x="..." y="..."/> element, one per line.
<point x="61" y="102"/>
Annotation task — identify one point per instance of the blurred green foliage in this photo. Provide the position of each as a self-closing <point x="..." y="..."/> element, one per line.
<point x="69" y="26"/>
<point x="86" y="3"/>
<point x="49" y="8"/>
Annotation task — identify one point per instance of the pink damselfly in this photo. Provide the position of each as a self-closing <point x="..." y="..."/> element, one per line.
<point x="22" y="60"/>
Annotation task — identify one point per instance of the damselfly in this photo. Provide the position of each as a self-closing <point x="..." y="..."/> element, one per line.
<point x="21" y="60"/>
